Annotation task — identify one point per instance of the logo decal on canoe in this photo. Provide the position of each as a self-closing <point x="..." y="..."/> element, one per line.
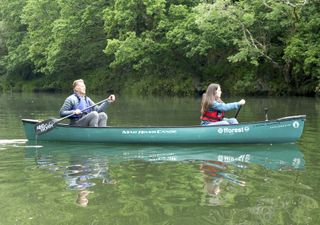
<point x="233" y="130"/>
<point x="43" y="127"/>
<point x="295" y="124"/>
<point x="142" y="132"/>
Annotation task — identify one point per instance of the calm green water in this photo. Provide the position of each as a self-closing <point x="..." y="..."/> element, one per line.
<point x="59" y="183"/>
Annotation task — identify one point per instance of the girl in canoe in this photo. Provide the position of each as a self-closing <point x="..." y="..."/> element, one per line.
<point x="213" y="108"/>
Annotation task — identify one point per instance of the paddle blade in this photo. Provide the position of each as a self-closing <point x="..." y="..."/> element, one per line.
<point x="45" y="126"/>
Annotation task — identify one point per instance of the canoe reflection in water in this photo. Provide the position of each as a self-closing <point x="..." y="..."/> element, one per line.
<point x="223" y="168"/>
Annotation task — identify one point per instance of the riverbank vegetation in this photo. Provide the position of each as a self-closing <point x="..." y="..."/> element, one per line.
<point x="163" y="47"/>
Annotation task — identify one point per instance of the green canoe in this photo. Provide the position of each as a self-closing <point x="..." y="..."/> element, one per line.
<point x="279" y="156"/>
<point x="282" y="130"/>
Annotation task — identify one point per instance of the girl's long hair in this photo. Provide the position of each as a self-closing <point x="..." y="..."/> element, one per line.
<point x="209" y="97"/>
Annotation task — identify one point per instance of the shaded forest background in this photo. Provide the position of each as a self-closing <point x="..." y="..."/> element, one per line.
<point x="161" y="47"/>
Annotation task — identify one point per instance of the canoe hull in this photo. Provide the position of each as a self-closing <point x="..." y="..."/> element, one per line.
<point x="283" y="130"/>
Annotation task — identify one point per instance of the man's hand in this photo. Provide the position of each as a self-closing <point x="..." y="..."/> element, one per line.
<point x="242" y="102"/>
<point x="77" y="111"/>
<point x="111" y="98"/>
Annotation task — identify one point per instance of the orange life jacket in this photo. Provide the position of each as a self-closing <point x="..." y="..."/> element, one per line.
<point x="214" y="116"/>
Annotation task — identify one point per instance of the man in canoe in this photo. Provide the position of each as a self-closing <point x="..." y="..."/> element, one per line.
<point x="213" y="108"/>
<point x="77" y="104"/>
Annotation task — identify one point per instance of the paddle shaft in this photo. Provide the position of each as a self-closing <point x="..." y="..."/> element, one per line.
<point x="235" y="116"/>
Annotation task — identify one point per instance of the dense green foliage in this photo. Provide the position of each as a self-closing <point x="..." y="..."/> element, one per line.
<point x="174" y="47"/>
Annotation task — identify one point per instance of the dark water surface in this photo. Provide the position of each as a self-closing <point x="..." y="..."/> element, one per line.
<point x="72" y="183"/>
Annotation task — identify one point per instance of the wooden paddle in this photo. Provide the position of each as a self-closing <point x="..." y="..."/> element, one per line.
<point x="47" y="125"/>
